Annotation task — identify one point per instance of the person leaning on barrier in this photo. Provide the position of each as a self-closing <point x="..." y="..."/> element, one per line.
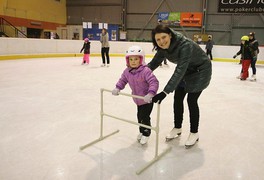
<point x="142" y="83"/>
<point x="105" y="47"/>
<point x="191" y="76"/>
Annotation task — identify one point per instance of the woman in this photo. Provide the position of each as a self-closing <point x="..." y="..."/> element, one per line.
<point x="104" y="39"/>
<point x="254" y="45"/>
<point x="191" y="76"/>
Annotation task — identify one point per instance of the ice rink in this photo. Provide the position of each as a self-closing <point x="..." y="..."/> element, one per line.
<point x="50" y="107"/>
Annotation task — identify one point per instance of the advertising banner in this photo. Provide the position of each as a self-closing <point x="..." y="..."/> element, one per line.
<point x="192" y="19"/>
<point x="241" y="6"/>
<point x="169" y="18"/>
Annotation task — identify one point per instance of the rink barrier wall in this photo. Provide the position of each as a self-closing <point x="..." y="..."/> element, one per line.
<point x="22" y="48"/>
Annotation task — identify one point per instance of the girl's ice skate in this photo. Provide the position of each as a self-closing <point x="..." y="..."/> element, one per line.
<point x="144" y="140"/>
<point x="192" y="139"/>
<point x="175" y="132"/>
<point x="139" y="137"/>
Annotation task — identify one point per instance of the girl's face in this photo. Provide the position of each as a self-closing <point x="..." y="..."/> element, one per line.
<point x="163" y="40"/>
<point x="243" y="42"/>
<point x="134" y="61"/>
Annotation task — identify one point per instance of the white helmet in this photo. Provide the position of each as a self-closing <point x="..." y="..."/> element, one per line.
<point x="135" y="51"/>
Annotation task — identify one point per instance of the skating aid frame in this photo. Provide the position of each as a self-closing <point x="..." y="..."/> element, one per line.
<point x="156" y="129"/>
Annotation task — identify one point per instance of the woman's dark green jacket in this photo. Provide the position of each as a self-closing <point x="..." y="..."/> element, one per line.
<point x="194" y="68"/>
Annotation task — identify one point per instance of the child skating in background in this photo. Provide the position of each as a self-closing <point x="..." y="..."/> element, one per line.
<point x="142" y="83"/>
<point x="246" y="57"/>
<point x="86" y="51"/>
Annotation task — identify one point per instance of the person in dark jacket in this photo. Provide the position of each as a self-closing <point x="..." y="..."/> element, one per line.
<point x="86" y="51"/>
<point x="209" y="47"/>
<point x="246" y="57"/>
<point x="253" y="43"/>
<point x="191" y="76"/>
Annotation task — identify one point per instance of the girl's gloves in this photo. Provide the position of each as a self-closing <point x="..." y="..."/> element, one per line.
<point x="115" y="92"/>
<point x="148" y="98"/>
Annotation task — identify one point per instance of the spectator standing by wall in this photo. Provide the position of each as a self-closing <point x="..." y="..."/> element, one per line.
<point x="104" y="39"/>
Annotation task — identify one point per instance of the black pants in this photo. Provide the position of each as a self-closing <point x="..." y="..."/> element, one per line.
<point x="193" y="109"/>
<point x="105" y="53"/>
<point x="143" y="115"/>
<point x="253" y="66"/>
<point x="209" y="52"/>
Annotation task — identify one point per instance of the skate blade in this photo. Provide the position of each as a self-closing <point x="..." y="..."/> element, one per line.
<point x="171" y="138"/>
<point x="189" y="146"/>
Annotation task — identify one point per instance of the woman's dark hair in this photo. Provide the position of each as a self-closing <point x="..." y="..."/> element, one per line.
<point x="159" y="29"/>
<point x="252" y="34"/>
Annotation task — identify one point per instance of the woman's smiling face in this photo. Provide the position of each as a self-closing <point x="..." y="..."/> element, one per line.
<point x="163" y="40"/>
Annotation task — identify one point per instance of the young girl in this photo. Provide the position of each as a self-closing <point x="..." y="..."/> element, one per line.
<point x="142" y="83"/>
<point x="246" y="57"/>
<point x="86" y="52"/>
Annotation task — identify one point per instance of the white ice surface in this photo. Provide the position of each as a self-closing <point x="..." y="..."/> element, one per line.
<point x="50" y="107"/>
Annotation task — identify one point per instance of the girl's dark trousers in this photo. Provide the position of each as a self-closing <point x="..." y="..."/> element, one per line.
<point x="143" y="115"/>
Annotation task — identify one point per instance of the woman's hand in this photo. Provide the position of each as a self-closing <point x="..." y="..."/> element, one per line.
<point x="159" y="97"/>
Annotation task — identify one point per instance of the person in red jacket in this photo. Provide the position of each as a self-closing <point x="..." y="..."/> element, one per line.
<point x="86" y="51"/>
<point x="246" y="57"/>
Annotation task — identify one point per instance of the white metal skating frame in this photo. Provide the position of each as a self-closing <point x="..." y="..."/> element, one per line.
<point x="156" y="129"/>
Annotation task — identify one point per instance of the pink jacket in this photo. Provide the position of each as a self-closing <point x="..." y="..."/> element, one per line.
<point x="141" y="81"/>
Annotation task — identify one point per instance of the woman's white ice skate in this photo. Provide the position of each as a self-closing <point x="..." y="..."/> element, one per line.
<point x="175" y="132"/>
<point x="192" y="139"/>
<point x="253" y="78"/>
